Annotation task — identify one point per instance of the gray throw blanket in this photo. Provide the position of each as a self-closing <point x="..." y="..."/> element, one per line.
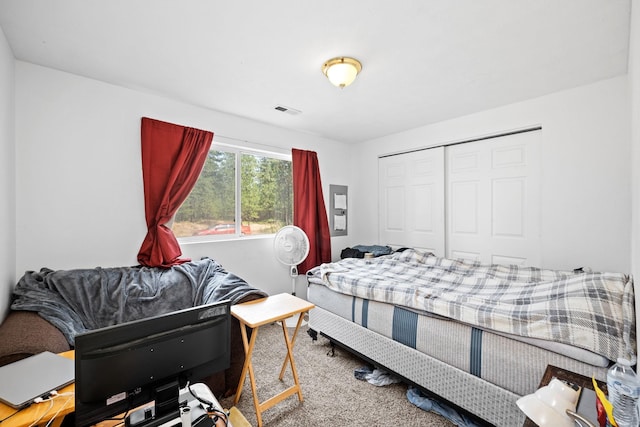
<point x="76" y="301"/>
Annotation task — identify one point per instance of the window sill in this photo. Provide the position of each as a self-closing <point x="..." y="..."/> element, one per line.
<point x="198" y="240"/>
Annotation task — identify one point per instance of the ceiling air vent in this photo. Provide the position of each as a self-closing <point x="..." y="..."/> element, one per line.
<point x="287" y="110"/>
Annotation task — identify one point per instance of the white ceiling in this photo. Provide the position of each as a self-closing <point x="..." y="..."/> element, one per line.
<point x="423" y="61"/>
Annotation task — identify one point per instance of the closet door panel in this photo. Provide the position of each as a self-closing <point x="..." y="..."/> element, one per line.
<point x="478" y="200"/>
<point x="493" y="204"/>
<point x="412" y="200"/>
<point x="466" y="201"/>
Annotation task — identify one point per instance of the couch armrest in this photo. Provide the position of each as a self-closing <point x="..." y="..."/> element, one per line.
<point x="25" y="333"/>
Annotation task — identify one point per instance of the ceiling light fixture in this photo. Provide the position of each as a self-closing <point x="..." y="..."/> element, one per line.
<point x="342" y="71"/>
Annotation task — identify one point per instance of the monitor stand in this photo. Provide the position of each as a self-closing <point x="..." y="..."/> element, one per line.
<point x="166" y="411"/>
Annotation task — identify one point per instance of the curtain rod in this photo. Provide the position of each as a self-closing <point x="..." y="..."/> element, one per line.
<point x="466" y="141"/>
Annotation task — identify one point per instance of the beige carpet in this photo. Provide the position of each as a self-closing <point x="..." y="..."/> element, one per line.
<point x="332" y="395"/>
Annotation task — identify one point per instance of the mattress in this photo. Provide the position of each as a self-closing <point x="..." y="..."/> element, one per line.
<point x="589" y="310"/>
<point x="513" y="364"/>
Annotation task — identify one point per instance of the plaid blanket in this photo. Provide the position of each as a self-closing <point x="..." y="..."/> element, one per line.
<point x="593" y="311"/>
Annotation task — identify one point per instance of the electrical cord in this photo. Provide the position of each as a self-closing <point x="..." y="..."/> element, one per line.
<point x="216" y="414"/>
<point x="123" y="419"/>
<point x="210" y="408"/>
<point x="50" y="397"/>
<point x="46" y="397"/>
<point x="38" y="419"/>
<point x="11" y="415"/>
<point x="39" y="399"/>
<point x="71" y="395"/>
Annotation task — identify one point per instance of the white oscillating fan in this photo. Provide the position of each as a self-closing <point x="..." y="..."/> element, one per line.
<point x="291" y="247"/>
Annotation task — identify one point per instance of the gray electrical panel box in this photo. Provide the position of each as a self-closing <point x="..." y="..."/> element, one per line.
<point x="338" y="210"/>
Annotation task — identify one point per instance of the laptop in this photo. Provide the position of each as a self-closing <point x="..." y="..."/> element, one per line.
<point x="23" y="381"/>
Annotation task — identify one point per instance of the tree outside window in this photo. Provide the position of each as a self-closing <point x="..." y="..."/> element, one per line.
<point x="263" y="199"/>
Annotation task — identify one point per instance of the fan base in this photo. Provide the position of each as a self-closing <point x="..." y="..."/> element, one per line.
<point x="292" y="321"/>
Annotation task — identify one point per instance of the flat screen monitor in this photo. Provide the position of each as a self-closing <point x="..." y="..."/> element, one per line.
<point x="121" y="367"/>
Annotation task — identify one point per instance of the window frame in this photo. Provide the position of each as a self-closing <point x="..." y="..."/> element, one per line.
<point x="238" y="151"/>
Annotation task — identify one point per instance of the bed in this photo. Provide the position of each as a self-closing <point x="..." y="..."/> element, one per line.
<point x="478" y="336"/>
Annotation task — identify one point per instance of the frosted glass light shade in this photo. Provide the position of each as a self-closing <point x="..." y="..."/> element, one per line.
<point x="342" y="71"/>
<point x="342" y="74"/>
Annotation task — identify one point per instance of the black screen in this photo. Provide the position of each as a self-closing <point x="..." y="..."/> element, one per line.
<point x="124" y="366"/>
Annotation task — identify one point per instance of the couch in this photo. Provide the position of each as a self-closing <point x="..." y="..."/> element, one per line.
<point x="50" y="307"/>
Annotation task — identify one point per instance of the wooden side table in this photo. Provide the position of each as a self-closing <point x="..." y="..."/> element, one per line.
<point x="256" y="313"/>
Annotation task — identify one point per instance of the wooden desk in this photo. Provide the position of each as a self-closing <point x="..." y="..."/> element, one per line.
<point x="62" y="406"/>
<point x="65" y="405"/>
<point x="254" y="314"/>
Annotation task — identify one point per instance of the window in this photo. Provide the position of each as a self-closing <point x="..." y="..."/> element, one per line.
<point x="234" y="183"/>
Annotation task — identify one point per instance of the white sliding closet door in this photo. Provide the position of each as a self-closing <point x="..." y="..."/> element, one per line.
<point x="493" y="200"/>
<point x="411" y="194"/>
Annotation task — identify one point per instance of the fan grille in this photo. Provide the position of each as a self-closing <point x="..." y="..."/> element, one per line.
<point x="291" y="245"/>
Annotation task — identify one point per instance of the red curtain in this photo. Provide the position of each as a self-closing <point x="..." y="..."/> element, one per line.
<point x="172" y="159"/>
<point x="309" y="212"/>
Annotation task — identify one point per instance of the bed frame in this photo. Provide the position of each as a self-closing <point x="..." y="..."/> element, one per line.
<point x="489" y="394"/>
<point x="458" y="387"/>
